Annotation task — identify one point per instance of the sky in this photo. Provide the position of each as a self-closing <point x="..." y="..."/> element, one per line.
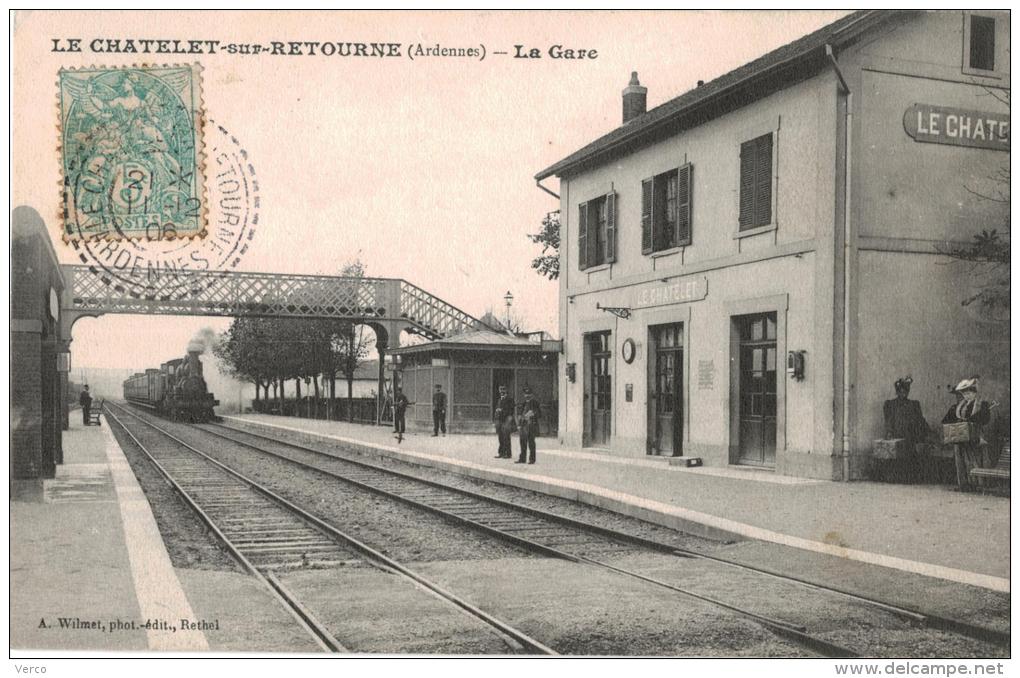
<point x="421" y="169"/>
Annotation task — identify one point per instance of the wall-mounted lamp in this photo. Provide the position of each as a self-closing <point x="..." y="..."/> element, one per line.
<point x="571" y="372"/>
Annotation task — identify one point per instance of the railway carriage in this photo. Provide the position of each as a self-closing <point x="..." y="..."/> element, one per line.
<point x="176" y="390"/>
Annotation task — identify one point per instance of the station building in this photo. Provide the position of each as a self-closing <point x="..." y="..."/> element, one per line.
<point x="39" y="357"/>
<point x="471" y="367"/>
<point x="747" y="268"/>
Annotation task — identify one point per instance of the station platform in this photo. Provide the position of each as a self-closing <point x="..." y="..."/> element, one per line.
<point x="928" y="530"/>
<point x="89" y="569"/>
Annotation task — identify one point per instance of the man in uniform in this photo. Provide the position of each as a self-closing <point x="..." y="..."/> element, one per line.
<point x="505" y="423"/>
<point x="400" y="404"/>
<point x="85" y="400"/>
<point x="530" y="414"/>
<point x="438" y="411"/>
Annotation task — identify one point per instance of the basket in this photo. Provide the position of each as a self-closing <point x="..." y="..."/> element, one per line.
<point x="960" y="432"/>
<point x="894" y="448"/>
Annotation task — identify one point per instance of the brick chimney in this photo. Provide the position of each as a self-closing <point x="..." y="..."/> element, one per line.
<point x="635" y="99"/>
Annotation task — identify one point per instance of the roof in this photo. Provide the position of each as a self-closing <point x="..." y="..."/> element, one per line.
<point x="475" y="340"/>
<point x="758" y="78"/>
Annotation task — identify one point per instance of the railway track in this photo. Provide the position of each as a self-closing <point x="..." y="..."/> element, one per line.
<point x="267" y="534"/>
<point x="557" y="536"/>
<point x="562" y="537"/>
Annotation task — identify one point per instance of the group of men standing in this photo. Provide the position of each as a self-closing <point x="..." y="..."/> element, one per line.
<point x="525" y="424"/>
<point x="506" y="418"/>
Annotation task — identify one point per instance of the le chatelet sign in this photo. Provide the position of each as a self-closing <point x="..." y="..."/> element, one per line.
<point x="932" y="124"/>
<point x="678" y="291"/>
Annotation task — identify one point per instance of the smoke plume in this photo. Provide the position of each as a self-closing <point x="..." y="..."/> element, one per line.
<point x="203" y="340"/>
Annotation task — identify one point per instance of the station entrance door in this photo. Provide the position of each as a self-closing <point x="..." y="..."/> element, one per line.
<point x="757" y="386"/>
<point x="598" y="391"/>
<point x="666" y="390"/>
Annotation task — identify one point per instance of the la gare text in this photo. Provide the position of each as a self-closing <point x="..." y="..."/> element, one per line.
<point x="306" y="48"/>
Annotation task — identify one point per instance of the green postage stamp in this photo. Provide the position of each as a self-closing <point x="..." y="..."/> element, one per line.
<point x="131" y="153"/>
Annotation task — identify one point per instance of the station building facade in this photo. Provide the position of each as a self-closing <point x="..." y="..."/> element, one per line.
<point x="39" y="357"/>
<point x="747" y="268"/>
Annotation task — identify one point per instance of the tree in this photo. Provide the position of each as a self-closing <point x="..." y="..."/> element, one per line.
<point x="245" y="352"/>
<point x="988" y="251"/>
<point x="548" y="262"/>
<point x="349" y="342"/>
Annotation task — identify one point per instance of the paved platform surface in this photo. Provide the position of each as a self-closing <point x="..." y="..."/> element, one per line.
<point x="931" y="530"/>
<point x="87" y="561"/>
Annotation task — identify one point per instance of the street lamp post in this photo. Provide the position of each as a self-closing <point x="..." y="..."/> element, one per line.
<point x="509" y="299"/>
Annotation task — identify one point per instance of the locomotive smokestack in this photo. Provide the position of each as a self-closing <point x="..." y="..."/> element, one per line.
<point x="195" y="346"/>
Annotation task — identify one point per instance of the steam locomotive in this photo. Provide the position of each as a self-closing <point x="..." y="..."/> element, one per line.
<point x="176" y="390"/>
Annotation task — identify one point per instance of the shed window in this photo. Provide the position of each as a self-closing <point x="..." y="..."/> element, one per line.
<point x="982" y="43"/>
<point x="756" y="182"/>
<point x="666" y="210"/>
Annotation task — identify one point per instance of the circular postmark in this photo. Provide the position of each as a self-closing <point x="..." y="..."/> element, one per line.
<point x="183" y="268"/>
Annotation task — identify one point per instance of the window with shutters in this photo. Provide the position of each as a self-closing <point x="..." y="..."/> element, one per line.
<point x="756" y="182"/>
<point x="596" y="231"/>
<point x="666" y="210"/>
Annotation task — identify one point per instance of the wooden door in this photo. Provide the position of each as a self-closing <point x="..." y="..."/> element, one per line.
<point x="600" y="398"/>
<point x="667" y="390"/>
<point x="758" y="390"/>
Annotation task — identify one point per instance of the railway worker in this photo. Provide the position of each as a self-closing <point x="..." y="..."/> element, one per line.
<point x="505" y="423"/>
<point x="400" y="403"/>
<point x="438" y="411"/>
<point x="530" y="415"/>
<point x="85" y="400"/>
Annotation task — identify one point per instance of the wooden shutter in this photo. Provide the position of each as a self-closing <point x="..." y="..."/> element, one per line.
<point x="610" y="227"/>
<point x="684" y="189"/>
<point x="763" y="182"/>
<point x="646" y="216"/>
<point x="582" y="236"/>
<point x="748" y="153"/>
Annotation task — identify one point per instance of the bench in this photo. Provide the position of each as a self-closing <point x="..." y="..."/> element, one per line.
<point x="94" y="412"/>
<point x="999" y="471"/>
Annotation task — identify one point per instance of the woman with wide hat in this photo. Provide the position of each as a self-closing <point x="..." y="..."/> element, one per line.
<point x="969" y="408"/>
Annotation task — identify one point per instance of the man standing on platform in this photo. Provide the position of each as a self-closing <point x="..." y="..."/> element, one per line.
<point x="505" y="423"/>
<point x="438" y="411"/>
<point x="530" y="414"/>
<point x="400" y="404"/>
<point x="85" y="400"/>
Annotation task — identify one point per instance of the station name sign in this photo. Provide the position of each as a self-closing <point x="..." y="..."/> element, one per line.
<point x="673" y="292"/>
<point x="932" y="124"/>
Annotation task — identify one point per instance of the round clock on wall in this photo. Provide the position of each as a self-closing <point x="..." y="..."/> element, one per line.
<point x="629" y="351"/>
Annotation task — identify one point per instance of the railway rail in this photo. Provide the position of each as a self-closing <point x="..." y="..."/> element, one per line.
<point x="493" y="515"/>
<point x="267" y="534"/>
<point x="553" y="535"/>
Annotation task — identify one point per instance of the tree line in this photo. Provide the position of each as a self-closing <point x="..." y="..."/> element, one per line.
<point x="269" y="352"/>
